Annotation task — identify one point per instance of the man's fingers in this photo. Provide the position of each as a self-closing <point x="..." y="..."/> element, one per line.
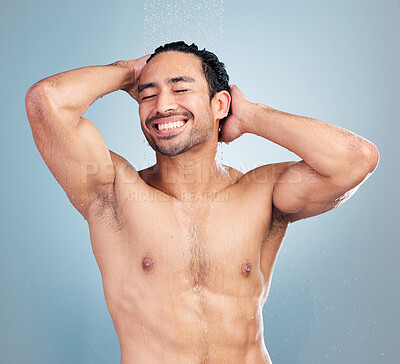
<point x="142" y="60"/>
<point x="140" y="63"/>
<point x="232" y="87"/>
<point x="145" y="57"/>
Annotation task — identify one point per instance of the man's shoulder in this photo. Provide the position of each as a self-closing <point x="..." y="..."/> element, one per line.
<point x="126" y="173"/>
<point x="257" y="185"/>
<point x="265" y="175"/>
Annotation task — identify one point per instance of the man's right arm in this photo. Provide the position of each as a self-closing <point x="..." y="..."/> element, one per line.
<point x="71" y="146"/>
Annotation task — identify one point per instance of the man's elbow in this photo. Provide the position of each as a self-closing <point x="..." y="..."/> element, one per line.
<point x="32" y="99"/>
<point x="359" y="165"/>
<point x="371" y="156"/>
<point x="35" y="101"/>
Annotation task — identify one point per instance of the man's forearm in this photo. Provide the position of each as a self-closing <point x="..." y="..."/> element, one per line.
<point x="328" y="149"/>
<point x="74" y="91"/>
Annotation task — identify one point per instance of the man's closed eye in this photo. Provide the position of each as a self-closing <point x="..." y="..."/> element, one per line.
<point x="148" y="97"/>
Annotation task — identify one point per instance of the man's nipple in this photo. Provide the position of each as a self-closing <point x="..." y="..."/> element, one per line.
<point x="246" y="269"/>
<point x="147" y="263"/>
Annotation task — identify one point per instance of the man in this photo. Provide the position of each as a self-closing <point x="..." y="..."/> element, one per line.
<point x="186" y="248"/>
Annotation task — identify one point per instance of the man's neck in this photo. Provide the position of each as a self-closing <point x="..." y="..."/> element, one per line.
<point x="197" y="171"/>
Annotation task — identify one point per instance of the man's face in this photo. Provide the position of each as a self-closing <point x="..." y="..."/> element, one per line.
<point x="174" y="103"/>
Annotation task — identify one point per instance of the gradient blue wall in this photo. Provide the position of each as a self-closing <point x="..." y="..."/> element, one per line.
<point x="334" y="296"/>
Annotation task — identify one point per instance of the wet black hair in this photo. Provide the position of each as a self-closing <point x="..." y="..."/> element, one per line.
<point x="214" y="70"/>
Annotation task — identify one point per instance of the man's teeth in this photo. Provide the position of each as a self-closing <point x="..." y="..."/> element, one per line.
<point x="172" y="125"/>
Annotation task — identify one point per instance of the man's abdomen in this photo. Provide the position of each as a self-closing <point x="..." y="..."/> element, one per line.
<point x="160" y="317"/>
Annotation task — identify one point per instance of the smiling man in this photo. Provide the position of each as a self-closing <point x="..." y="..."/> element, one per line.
<point x="186" y="248"/>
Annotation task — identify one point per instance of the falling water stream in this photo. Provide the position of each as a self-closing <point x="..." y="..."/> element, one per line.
<point x="193" y="21"/>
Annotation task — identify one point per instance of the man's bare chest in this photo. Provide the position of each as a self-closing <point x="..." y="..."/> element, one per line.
<point x="198" y="239"/>
<point x="199" y="243"/>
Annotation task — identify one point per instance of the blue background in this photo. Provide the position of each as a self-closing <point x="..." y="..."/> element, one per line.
<point x="334" y="296"/>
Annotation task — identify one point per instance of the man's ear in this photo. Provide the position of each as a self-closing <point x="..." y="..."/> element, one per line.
<point x="222" y="104"/>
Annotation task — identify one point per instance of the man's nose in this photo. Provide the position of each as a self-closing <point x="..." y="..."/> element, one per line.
<point x="165" y="102"/>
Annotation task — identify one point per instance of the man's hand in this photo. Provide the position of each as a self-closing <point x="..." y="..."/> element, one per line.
<point x="233" y="126"/>
<point x="135" y="66"/>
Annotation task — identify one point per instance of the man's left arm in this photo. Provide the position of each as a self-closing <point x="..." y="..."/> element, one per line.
<point x="334" y="161"/>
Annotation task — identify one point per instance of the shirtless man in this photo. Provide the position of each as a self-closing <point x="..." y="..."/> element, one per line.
<point x="186" y="248"/>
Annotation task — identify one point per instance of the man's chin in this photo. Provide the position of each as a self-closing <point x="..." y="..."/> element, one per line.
<point x="171" y="151"/>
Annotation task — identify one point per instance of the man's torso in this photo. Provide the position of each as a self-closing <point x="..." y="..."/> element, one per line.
<point x="185" y="280"/>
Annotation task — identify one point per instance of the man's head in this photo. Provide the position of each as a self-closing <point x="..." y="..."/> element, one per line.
<point x="181" y="83"/>
<point x="214" y="71"/>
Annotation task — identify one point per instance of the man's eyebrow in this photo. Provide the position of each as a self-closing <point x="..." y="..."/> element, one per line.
<point x="146" y="85"/>
<point x="170" y="80"/>
<point x="181" y="79"/>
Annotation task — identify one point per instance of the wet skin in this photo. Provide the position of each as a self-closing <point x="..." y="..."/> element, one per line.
<point x="185" y="280"/>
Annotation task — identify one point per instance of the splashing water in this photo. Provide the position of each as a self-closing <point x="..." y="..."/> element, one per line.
<point x="193" y="21"/>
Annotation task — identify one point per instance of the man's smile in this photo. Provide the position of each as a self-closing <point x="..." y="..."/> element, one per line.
<point x="169" y="125"/>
